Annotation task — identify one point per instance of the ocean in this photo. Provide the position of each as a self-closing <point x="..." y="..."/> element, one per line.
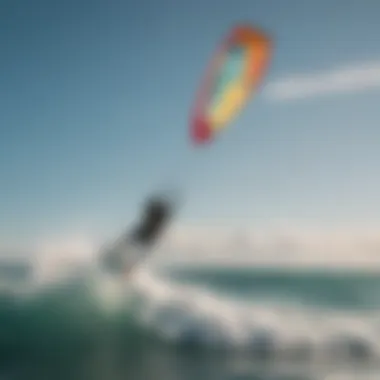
<point x="192" y="323"/>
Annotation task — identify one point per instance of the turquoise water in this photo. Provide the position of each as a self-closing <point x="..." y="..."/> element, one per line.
<point x="194" y="324"/>
<point x="323" y="288"/>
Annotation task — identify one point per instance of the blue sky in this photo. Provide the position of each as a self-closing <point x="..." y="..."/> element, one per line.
<point x="95" y="101"/>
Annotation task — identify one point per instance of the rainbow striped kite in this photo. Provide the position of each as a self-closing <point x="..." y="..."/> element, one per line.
<point x="234" y="73"/>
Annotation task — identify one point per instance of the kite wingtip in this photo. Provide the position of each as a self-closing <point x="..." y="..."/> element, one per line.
<point x="201" y="132"/>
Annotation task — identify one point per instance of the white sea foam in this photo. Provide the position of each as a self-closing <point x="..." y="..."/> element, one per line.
<point x="189" y="314"/>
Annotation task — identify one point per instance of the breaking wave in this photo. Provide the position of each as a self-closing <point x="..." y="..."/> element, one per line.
<point x="153" y="309"/>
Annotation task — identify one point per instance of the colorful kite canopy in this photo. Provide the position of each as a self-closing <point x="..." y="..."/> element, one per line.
<point x="234" y="73"/>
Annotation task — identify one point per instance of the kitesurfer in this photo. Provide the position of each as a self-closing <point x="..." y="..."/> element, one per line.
<point x="134" y="246"/>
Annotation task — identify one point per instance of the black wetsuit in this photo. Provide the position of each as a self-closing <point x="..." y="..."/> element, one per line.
<point x="156" y="216"/>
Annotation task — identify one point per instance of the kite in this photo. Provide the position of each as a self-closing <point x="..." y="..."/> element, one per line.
<point x="235" y="72"/>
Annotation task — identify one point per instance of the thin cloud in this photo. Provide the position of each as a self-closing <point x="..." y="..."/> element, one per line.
<point x="292" y="244"/>
<point x="340" y="80"/>
<point x="286" y="244"/>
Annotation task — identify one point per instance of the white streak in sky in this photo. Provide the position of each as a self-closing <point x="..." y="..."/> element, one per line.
<point x="340" y="80"/>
